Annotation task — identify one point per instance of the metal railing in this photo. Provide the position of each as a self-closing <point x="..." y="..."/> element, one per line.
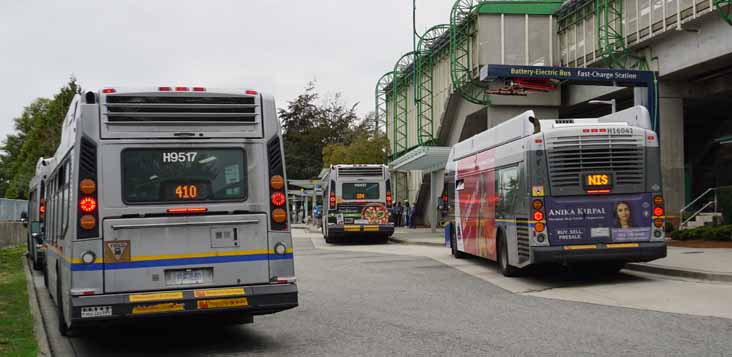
<point x="712" y="201"/>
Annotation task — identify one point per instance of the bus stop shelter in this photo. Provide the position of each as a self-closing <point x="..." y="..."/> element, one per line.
<point x="428" y="159"/>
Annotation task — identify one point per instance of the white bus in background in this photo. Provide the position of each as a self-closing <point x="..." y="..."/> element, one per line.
<point x="584" y="192"/>
<point x="36" y="213"/>
<point x="356" y="203"/>
<point x="168" y="201"/>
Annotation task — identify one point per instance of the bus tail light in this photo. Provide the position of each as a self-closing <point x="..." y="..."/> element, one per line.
<point x="333" y="199"/>
<point x="181" y="89"/>
<point x="109" y="90"/>
<point x="88" y="202"/>
<point x="277" y="185"/>
<point x="537" y="204"/>
<point x="279" y="215"/>
<point x="658" y="211"/>
<point x="658" y="200"/>
<point x="278" y="199"/>
<point x="539" y="227"/>
<point x="199" y="89"/>
<point x="658" y="222"/>
<point x="538" y="216"/>
<point x="277" y="182"/>
<point x="388" y="199"/>
<point x="251" y="92"/>
<point x="164" y="89"/>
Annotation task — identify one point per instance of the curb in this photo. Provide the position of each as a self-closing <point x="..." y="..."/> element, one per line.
<point x="640" y="267"/>
<point x="407" y="241"/>
<point x="680" y="273"/>
<point x="39" y="328"/>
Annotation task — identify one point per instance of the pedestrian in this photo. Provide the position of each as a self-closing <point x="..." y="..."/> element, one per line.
<point x="412" y="221"/>
<point x="408" y="214"/>
<point x="393" y="212"/>
<point x="398" y="218"/>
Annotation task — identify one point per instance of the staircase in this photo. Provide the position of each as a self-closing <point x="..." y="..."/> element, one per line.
<point x="704" y="210"/>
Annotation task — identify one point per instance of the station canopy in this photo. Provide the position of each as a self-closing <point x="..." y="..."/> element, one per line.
<point x="422" y="158"/>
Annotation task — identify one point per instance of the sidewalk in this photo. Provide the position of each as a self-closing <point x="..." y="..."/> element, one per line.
<point x="696" y="263"/>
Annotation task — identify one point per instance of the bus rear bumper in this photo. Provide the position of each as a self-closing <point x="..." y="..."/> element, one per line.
<point x="255" y="300"/>
<point x="644" y="252"/>
<point x="361" y="228"/>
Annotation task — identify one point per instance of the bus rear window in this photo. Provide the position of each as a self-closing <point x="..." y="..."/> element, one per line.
<point x="360" y="191"/>
<point x="183" y="175"/>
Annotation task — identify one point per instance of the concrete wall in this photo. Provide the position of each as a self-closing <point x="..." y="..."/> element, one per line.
<point x="12" y="234"/>
<point x="671" y="106"/>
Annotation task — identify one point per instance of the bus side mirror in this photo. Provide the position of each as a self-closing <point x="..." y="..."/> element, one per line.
<point x="24" y="218"/>
<point x="537" y="124"/>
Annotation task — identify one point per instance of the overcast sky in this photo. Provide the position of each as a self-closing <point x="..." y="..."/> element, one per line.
<point x="272" y="46"/>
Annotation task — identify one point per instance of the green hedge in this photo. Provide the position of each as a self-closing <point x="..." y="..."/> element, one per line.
<point x="717" y="233"/>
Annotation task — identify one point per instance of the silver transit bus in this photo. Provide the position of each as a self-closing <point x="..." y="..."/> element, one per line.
<point x="356" y="203"/>
<point x="583" y="192"/>
<point x="168" y="201"/>
<point x="36" y="214"/>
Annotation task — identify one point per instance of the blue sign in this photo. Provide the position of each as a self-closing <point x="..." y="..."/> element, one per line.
<point x="600" y="219"/>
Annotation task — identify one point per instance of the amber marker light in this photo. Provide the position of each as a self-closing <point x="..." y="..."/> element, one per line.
<point x="538" y="204"/>
<point x="87" y="186"/>
<point x="277" y="182"/>
<point x="87" y="222"/>
<point x="279" y="215"/>
<point x="539" y="227"/>
<point x="658" y="200"/>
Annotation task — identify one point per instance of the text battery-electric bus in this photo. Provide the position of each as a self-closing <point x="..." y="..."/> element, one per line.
<point x="574" y="191"/>
<point x="169" y="201"/>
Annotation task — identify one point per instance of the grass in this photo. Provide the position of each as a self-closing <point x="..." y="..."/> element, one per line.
<point x="16" y="322"/>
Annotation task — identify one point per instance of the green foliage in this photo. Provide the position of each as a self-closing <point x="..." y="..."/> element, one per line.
<point x="38" y="132"/>
<point x="716" y="233"/>
<point x="363" y="150"/>
<point x="16" y="322"/>
<point x="314" y="131"/>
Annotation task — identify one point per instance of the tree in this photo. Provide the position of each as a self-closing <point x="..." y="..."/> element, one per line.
<point x="364" y="149"/>
<point x="38" y="133"/>
<point x="309" y="125"/>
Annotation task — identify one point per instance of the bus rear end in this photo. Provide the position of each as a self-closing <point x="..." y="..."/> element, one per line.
<point x="359" y="201"/>
<point x="182" y="206"/>
<point x="596" y="191"/>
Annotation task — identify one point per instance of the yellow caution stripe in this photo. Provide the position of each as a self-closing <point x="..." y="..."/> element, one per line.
<point x="370" y="228"/>
<point x="222" y="303"/>
<point x="151" y="309"/>
<point x="623" y="245"/>
<point x="351" y="228"/>
<point x="173" y="295"/>
<point x="218" y="292"/>
<point x="580" y="247"/>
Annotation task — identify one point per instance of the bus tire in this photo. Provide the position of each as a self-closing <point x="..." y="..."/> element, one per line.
<point x="63" y="328"/>
<point x="453" y="245"/>
<point x="45" y="275"/>
<point x="36" y="264"/>
<point x="505" y="268"/>
<point x="329" y="238"/>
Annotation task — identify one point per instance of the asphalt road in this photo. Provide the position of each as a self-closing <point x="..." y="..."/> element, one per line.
<point x="355" y="301"/>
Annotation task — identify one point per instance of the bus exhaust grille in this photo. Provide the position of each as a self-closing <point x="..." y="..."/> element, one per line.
<point x="275" y="156"/>
<point x="360" y="171"/>
<point x="522" y="238"/>
<point x="138" y="108"/>
<point x="88" y="157"/>
<point x="571" y="156"/>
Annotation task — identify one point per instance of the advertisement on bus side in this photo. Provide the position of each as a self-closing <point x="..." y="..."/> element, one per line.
<point x="601" y="219"/>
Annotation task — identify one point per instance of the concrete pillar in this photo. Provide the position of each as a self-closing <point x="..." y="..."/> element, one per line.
<point x="671" y="117"/>
<point x="431" y="206"/>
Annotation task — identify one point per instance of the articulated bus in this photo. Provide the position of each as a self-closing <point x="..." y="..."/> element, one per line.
<point x="168" y="201"/>
<point x="583" y="192"/>
<point x="357" y="202"/>
<point x="36" y="212"/>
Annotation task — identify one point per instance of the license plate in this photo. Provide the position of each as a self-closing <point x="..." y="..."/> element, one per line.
<point x="348" y="220"/>
<point x="188" y="276"/>
<point x="96" y="311"/>
<point x="361" y="221"/>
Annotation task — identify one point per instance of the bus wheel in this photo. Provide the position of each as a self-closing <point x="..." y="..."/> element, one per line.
<point x="506" y="269"/>
<point x="36" y="264"/>
<point x="329" y="238"/>
<point x="63" y="328"/>
<point x="45" y="275"/>
<point x="453" y="245"/>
